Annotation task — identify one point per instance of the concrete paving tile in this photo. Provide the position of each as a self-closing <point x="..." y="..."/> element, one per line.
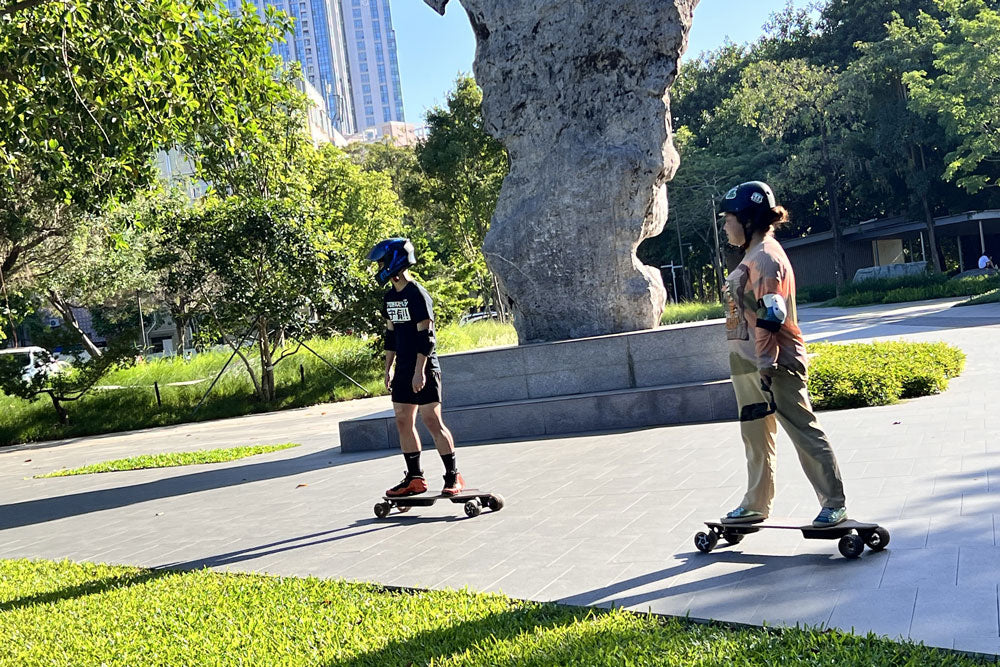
<point x="885" y="611"/>
<point x="790" y="607"/>
<point x="964" y="530"/>
<point x="917" y="567"/>
<point x="943" y="613"/>
<point x="978" y="566"/>
<point x="987" y="646"/>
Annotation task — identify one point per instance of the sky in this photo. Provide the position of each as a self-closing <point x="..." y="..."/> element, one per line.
<point x="433" y="49"/>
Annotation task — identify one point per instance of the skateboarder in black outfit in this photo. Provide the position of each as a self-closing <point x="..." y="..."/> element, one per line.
<point x="415" y="383"/>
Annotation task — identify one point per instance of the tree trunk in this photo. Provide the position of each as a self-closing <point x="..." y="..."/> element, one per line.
<point x="266" y="363"/>
<point x="931" y="236"/>
<point x="60" y="410"/>
<point x="66" y="311"/>
<point x="720" y="278"/>
<point x="833" y="196"/>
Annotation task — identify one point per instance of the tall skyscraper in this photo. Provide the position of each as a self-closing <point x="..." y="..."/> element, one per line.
<point x="371" y="48"/>
<point x="318" y="43"/>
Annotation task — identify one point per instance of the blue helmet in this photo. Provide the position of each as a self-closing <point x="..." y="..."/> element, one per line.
<point x="393" y="256"/>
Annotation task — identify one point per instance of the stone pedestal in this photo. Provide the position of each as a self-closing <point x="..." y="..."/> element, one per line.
<point x="671" y="375"/>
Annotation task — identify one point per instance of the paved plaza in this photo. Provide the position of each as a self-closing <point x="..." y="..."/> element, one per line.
<point x="598" y="519"/>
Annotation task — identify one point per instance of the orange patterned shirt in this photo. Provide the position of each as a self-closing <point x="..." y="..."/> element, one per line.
<point x="764" y="270"/>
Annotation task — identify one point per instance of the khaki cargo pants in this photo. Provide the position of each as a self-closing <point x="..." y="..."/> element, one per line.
<point x="794" y="411"/>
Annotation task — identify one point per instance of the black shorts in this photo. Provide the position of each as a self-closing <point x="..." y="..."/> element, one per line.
<point x="402" y="387"/>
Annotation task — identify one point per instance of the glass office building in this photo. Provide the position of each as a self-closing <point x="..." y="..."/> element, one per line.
<point x="318" y="43"/>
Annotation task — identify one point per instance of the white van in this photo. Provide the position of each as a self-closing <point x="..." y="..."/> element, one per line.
<point x="32" y="358"/>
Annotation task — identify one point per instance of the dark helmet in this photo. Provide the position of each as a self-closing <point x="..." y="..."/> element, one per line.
<point x="751" y="203"/>
<point x="393" y="256"/>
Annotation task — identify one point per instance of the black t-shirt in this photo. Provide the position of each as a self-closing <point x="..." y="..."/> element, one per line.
<point x="405" y="309"/>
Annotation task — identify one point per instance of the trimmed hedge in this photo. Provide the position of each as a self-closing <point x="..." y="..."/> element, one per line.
<point x="865" y="374"/>
<point x="913" y="288"/>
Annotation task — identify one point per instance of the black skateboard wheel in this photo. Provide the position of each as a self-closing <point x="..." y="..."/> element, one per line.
<point x="472" y="509"/>
<point x="878" y="540"/>
<point x="495" y="503"/>
<point x="851" y="546"/>
<point x="381" y="510"/>
<point x="732" y="537"/>
<point x="705" y="542"/>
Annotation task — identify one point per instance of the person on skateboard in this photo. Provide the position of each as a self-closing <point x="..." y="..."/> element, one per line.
<point x="415" y="382"/>
<point x="767" y="360"/>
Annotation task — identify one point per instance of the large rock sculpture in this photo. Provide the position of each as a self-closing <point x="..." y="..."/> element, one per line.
<point x="577" y="92"/>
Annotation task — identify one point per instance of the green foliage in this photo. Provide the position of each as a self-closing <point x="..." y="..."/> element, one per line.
<point x="89" y="90"/>
<point x="913" y="288"/>
<point x="816" y="293"/>
<point x="864" y="374"/>
<point x="170" y="460"/>
<point x="691" y="311"/>
<point x="962" y="95"/>
<point x="464" y="168"/>
<point x="100" y="614"/>
<point x="993" y="296"/>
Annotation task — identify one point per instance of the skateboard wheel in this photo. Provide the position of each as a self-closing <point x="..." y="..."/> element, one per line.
<point x="404" y="508"/>
<point x="472" y="509"/>
<point x="878" y="540"/>
<point x="851" y="546"/>
<point x="705" y="542"/>
<point x="381" y="510"/>
<point x="495" y="503"/>
<point x="732" y="537"/>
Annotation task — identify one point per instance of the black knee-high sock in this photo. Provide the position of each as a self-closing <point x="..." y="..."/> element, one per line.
<point x="413" y="463"/>
<point x="449" y="462"/>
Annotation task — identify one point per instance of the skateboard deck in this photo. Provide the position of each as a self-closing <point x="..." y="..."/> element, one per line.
<point x="853" y="535"/>
<point x="475" y="500"/>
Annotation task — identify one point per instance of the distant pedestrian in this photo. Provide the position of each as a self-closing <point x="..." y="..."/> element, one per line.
<point x="767" y="360"/>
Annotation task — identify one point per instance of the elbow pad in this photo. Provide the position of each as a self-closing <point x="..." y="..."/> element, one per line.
<point x="390" y="341"/>
<point x="426" y="342"/>
<point x="771" y="312"/>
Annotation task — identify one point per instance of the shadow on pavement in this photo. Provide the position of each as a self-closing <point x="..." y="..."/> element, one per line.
<point x="314" y="539"/>
<point x="30" y="512"/>
<point x="616" y="593"/>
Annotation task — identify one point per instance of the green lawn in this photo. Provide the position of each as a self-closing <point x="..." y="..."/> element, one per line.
<point x="171" y="459"/>
<point x="83" y="614"/>
<point x="691" y="311"/>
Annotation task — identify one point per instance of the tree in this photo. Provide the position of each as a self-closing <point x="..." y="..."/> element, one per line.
<point x="903" y="144"/>
<point x="808" y="110"/>
<point x="465" y="168"/>
<point x="260" y="266"/>
<point x="88" y="90"/>
<point x="964" y="93"/>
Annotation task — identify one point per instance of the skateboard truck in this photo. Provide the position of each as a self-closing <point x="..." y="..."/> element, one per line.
<point x="474" y="499"/>
<point x="854" y="536"/>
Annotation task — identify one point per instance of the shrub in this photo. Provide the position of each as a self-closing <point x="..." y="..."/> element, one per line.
<point x="815" y="293"/>
<point x="864" y="374"/>
<point x="913" y="288"/>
